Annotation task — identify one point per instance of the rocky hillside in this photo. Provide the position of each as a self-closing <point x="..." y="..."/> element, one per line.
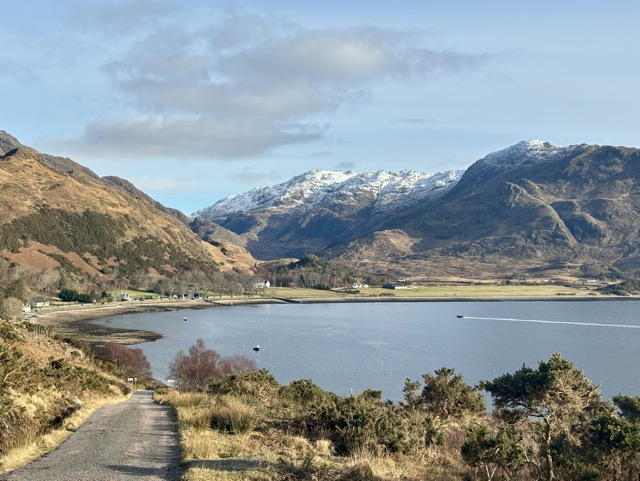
<point x="531" y="210"/>
<point x="64" y="225"/>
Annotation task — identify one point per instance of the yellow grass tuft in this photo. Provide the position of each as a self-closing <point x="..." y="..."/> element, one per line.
<point x="233" y="415"/>
<point x="209" y="444"/>
<point x="205" y="474"/>
<point x="323" y="447"/>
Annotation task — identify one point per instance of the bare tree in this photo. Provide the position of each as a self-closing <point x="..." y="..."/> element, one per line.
<point x="191" y="372"/>
<point x="128" y="361"/>
<point x="11" y="308"/>
<point x="237" y="364"/>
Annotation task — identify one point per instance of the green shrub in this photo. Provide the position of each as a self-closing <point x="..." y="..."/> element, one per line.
<point x="364" y="422"/>
<point x="260" y="385"/>
<point x="446" y="395"/>
<point x="8" y="332"/>
<point x="303" y="391"/>
<point x="71" y="295"/>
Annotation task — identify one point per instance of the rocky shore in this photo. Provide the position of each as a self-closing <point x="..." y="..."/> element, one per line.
<point x="74" y="320"/>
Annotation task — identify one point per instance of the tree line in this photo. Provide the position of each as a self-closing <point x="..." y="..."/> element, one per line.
<point x="314" y="272"/>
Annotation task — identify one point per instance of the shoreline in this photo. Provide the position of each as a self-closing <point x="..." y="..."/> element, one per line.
<point x="74" y="320"/>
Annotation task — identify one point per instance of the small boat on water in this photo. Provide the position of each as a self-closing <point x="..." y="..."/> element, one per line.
<point x="256" y="347"/>
<point x="460" y="316"/>
<point x="185" y="319"/>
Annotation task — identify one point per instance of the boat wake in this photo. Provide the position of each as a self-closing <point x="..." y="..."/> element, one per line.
<point x="569" y="323"/>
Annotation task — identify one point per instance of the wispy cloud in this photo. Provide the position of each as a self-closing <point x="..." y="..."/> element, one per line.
<point x="18" y="72"/>
<point x="185" y="137"/>
<point x="322" y="154"/>
<point x="120" y="17"/>
<point x="416" y="121"/>
<point x="345" y="165"/>
<point x="246" y="84"/>
<point x="254" y="177"/>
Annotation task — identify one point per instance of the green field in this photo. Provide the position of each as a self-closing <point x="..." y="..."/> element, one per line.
<point x="435" y="291"/>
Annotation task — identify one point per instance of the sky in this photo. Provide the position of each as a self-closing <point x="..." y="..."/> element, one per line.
<point x="196" y="101"/>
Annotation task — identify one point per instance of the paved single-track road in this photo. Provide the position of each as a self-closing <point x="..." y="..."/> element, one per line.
<point x="132" y="441"/>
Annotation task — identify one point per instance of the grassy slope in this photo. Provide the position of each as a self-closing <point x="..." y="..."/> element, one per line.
<point x="27" y="186"/>
<point x="47" y="387"/>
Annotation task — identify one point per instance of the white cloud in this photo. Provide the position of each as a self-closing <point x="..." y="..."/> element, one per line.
<point x="245" y="85"/>
<point x="184" y="138"/>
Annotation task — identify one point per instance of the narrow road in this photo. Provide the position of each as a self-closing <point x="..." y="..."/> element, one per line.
<point x="132" y="441"/>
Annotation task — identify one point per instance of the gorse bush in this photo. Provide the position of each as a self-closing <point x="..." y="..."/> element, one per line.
<point x="549" y="423"/>
<point x="445" y="395"/>
<point x="365" y="423"/>
<point x="303" y="391"/>
<point x="260" y="385"/>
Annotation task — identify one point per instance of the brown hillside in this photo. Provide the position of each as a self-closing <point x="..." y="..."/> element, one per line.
<point x="55" y="214"/>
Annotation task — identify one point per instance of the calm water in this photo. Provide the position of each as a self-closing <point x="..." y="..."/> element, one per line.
<point x="345" y="347"/>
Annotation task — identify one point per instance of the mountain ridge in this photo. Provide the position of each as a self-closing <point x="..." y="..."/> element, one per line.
<point x="326" y="205"/>
<point x="531" y="209"/>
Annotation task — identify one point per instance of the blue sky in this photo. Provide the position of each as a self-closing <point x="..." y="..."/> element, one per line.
<point x="195" y="101"/>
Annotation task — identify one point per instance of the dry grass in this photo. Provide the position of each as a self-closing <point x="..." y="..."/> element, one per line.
<point x="479" y="291"/>
<point x="232" y="415"/>
<point x="251" y="431"/>
<point x="39" y="445"/>
<point x="206" y="474"/>
<point x="445" y="291"/>
<point x="299" y="293"/>
<point x="50" y="387"/>
<point x="284" y="456"/>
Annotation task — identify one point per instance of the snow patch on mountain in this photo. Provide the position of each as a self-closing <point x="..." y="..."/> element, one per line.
<point x="523" y="152"/>
<point x="383" y="190"/>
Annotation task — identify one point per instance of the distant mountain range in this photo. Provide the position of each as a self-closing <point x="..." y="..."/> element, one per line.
<point x="530" y="210"/>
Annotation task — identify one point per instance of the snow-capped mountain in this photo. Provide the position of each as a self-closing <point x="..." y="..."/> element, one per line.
<point x="523" y="152"/>
<point x="315" y="189"/>
<point x="319" y="208"/>
<point x="532" y="209"/>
